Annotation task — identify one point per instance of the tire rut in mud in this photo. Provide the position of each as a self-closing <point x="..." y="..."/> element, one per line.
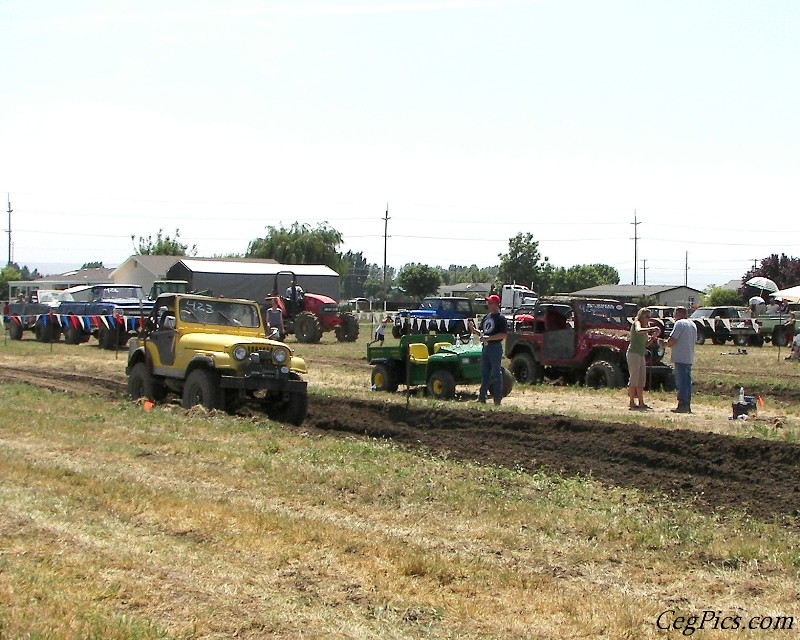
<point x="716" y="471"/>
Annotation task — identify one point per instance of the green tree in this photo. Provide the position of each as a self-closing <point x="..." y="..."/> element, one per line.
<point x="163" y="245"/>
<point x="783" y="270"/>
<point x="419" y="280"/>
<point x="714" y="296"/>
<point x="581" y="276"/>
<point x="299" y="244"/>
<point x="9" y="273"/>
<point x="92" y="265"/>
<point x="456" y="274"/>
<point x="354" y="272"/>
<point x="524" y="264"/>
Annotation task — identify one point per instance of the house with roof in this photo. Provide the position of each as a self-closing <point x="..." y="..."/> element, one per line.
<point x="665" y="295"/>
<point x="143" y="270"/>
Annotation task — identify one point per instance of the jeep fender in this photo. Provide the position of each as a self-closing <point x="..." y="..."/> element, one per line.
<point x="523" y="346"/>
<point x="609" y="353"/>
<point x="198" y="362"/>
<point x="134" y="358"/>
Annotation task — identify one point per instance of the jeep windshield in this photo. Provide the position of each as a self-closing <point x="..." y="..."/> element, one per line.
<point x="220" y="313"/>
<point x="606" y="315"/>
<point x="702" y="313"/>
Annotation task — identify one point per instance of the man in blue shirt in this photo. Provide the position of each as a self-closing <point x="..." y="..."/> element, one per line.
<point x="493" y="330"/>
<point x="682" y="340"/>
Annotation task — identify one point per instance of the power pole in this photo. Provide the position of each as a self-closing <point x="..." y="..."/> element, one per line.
<point x="635" y="238"/>
<point x="644" y="271"/>
<point x="385" y="244"/>
<point x="8" y="196"/>
<point x="686" y="271"/>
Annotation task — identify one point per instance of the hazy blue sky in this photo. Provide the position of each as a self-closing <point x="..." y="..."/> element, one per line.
<point x="473" y="120"/>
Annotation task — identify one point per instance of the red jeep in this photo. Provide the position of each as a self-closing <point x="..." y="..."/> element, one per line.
<point x="581" y="340"/>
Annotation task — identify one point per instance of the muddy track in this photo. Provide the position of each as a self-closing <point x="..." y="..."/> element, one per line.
<point x="717" y="472"/>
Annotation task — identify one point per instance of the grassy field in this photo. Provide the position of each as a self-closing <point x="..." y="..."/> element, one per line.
<point x="121" y="523"/>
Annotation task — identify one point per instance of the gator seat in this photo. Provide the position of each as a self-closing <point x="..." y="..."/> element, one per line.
<point x="418" y="353"/>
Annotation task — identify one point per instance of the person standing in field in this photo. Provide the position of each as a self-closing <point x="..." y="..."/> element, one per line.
<point x="493" y="330"/>
<point x="641" y="334"/>
<point x="380" y="331"/>
<point x="682" y="341"/>
<point x="275" y="318"/>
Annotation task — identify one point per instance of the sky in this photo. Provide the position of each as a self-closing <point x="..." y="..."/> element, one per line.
<point x="471" y="120"/>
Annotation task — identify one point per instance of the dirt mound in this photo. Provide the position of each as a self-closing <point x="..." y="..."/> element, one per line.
<point x="719" y="472"/>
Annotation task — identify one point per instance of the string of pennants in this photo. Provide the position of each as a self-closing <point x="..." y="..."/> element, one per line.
<point x="728" y="323"/>
<point x="85" y="323"/>
<point x="431" y="323"/>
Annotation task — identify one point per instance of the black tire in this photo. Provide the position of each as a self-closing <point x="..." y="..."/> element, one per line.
<point x="292" y="411"/>
<point x="138" y="378"/>
<point x="396" y="332"/>
<point x="383" y="378"/>
<point x="433" y="325"/>
<point x="73" y="335"/>
<point x="202" y="388"/>
<point x="15" y="330"/>
<point x="107" y="338"/>
<point x="508" y="382"/>
<point x="306" y="328"/>
<point x="666" y="381"/>
<point x="718" y="340"/>
<point x="779" y="337"/>
<point x="701" y="336"/>
<point x="525" y="369"/>
<point x="348" y="329"/>
<point x="756" y="340"/>
<point x="442" y="385"/>
<point x="47" y="330"/>
<point x="602" y="373"/>
<point x="740" y="340"/>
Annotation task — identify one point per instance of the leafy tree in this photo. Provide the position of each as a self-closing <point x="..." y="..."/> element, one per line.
<point x="163" y="245"/>
<point x="299" y="244"/>
<point x="645" y="301"/>
<point x="354" y="272"/>
<point x="581" y="276"/>
<point x="455" y="274"/>
<point x="524" y="264"/>
<point x="92" y="265"/>
<point x="9" y="273"/>
<point x="714" y="296"/>
<point x="783" y="270"/>
<point x="419" y="280"/>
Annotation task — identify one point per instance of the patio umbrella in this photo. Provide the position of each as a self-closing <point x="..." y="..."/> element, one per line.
<point x="756" y="300"/>
<point x="792" y="294"/>
<point x="765" y="284"/>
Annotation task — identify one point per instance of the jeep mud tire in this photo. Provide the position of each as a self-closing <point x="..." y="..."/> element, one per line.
<point x="307" y="328"/>
<point x="202" y="388"/>
<point x="73" y="335"/>
<point x="442" y="385"/>
<point x="15" y="330"/>
<point x="107" y="338"/>
<point x="292" y="410"/>
<point x="141" y="384"/>
<point x="47" y="331"/>
<point x="718" y="339"/>
<point x="701" y="336"/>
<point x="525" y="369"/>
<point x="602" y="373"/>
<point x="348" y="329"/>
<point x="779" y="337"/>
<point x="383" y="378"/>
<point x="740" y="340"/>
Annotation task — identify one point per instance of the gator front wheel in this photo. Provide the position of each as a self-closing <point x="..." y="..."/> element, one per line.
<point x="442" y="385"/>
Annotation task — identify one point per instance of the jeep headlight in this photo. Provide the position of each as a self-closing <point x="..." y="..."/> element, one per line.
<point x="279" y="356"/>
<point x="239" y="353"/>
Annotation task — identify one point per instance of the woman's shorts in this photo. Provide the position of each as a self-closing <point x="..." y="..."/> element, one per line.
<point x="637" y="369"/>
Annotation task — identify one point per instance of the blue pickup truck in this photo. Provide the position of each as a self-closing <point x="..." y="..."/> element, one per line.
<point x="437" y="314"/>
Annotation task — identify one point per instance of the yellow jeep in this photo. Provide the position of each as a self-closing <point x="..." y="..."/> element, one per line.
<point x="215" y="353"/>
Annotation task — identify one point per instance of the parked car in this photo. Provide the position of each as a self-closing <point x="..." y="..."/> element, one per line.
<point x="721" y="324"/>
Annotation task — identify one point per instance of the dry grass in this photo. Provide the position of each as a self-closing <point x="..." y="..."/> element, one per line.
<point x="118" y="523"/>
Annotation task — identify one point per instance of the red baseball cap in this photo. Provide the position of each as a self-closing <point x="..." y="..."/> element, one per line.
<point x="493" y="299"/>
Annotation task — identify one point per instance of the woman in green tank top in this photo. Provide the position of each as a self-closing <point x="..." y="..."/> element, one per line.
<point x="641" y="333"/>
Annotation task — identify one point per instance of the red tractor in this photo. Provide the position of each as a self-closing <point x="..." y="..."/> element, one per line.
<point x="309" y="315"/>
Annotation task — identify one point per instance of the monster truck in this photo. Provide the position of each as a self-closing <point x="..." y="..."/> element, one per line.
<point x="309" y="315"/>
<point x="445" y="314"/>
<point x="581" y="340"/>
<point x="212" y="352"/>
<point x="107" y="311"/>
<point x="438" y="362"/>
<point x="727" y="323"/>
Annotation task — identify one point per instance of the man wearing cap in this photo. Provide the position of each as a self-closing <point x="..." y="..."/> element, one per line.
<point x="493" y="330"/>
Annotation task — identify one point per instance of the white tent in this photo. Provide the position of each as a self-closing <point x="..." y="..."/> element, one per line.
<point x="792" y="294"/>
